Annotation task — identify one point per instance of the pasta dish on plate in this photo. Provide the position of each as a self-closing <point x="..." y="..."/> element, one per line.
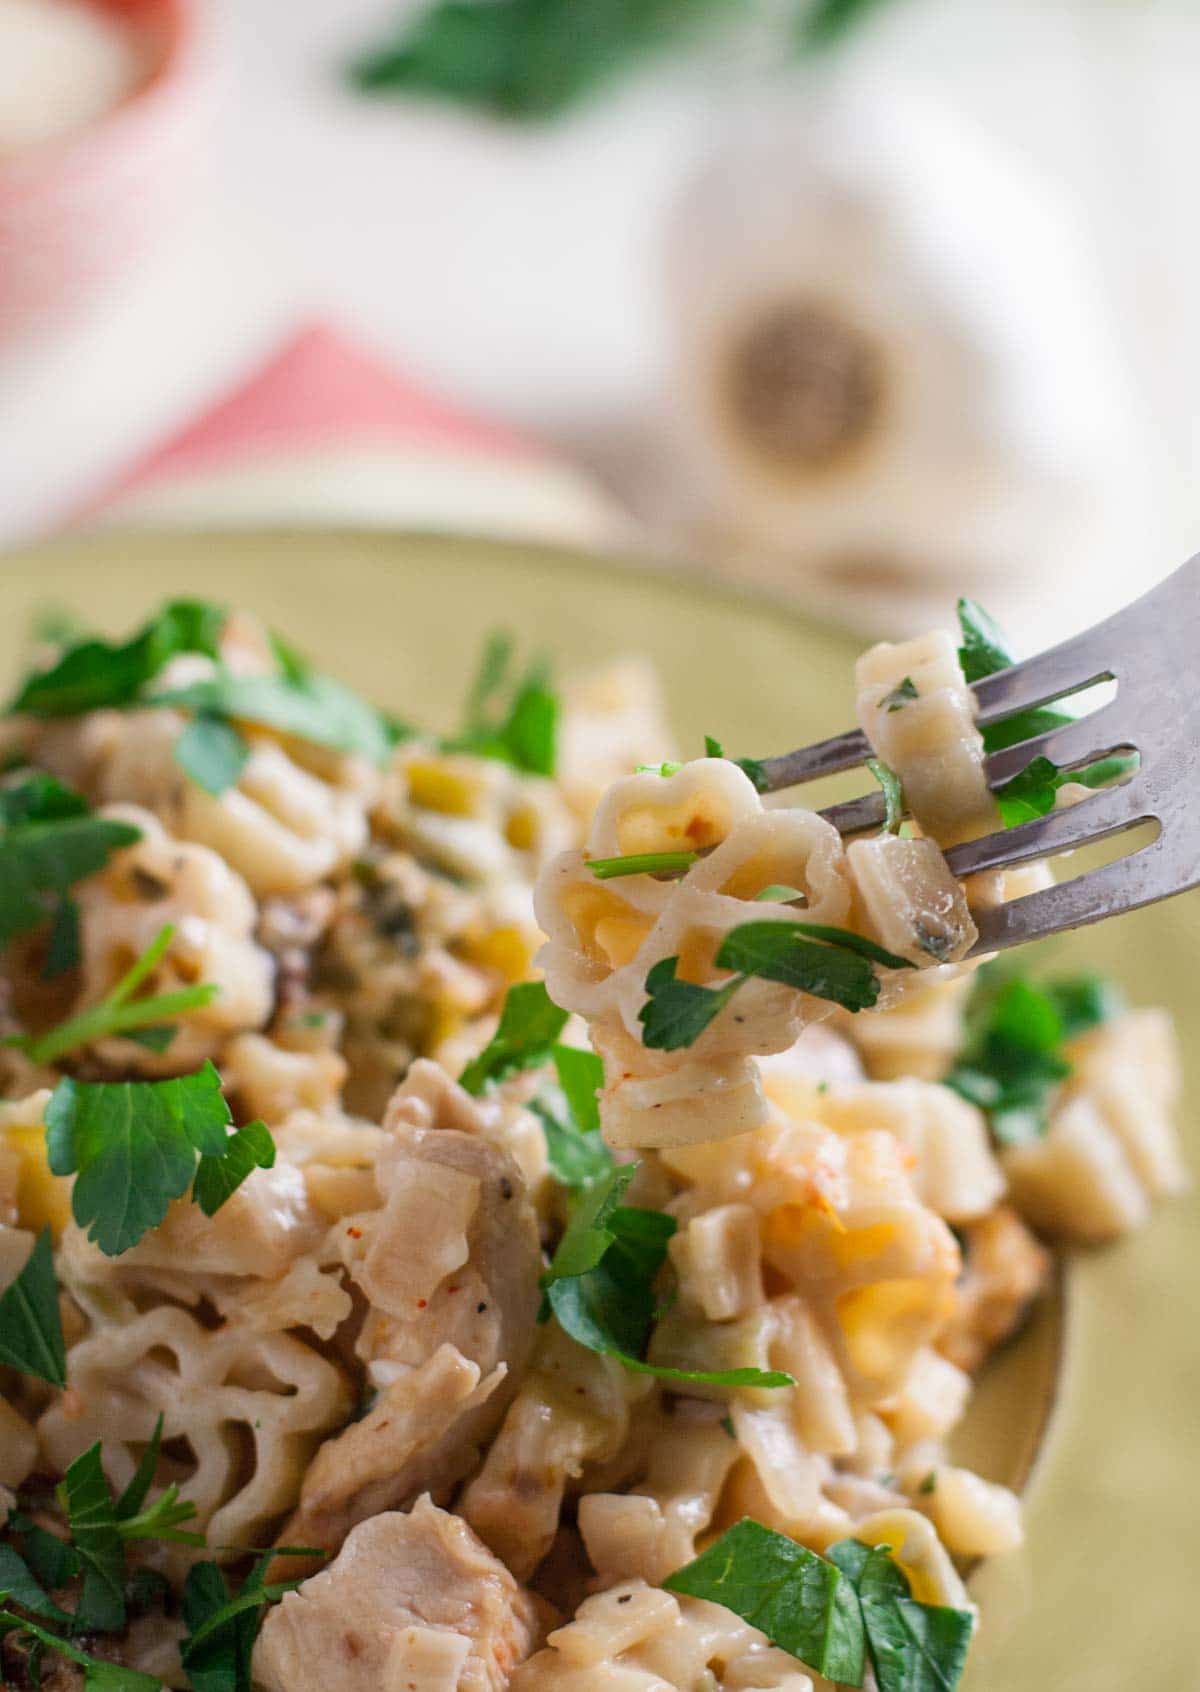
<point x="513" y="1209"/>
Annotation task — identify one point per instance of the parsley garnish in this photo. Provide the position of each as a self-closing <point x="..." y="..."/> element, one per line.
<point x="96" y="673"/>
<point x="221" y="1628"/>
<point x="18" y="1583"/>
<point x="211" y="753"/>
<point x="600" y="1283"/>
<point x="302" y="703"/>
<point x="913" y="1647"/>
<point x="665" y="769"/>
<point x="831" y="1612"/>
<point x="48" y="842"/>
<point x="1033" y="791"/>
<point x="985" y="651"/>
<point x="31" y="1336"/>
<point x="530" y="1025"/>
<point x="829" y="963"/>
<point x="1013" y="1061"/>
<point x="799" y="1600"/>
<point x="528" y="59"/>
<point x="133" y="1147"/>
<point x="900" y="695"/>
<point x="780" y="894"/>
<point x="119" y="1014"/>
<point x="99" y="1675"/>
<point x="97" y="1540"/>
<point x="297" y="701"/>
<point x="514" y="720"/>
<point x="893" y="794"/>
<point x="753" y="767"/>
<point x="643" y="863"/>
<point x="576" y="1153"/>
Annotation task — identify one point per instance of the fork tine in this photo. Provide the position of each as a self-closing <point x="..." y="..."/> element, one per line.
<point x="826" y="757"/>
<point x="1086" y="738"/>
<point x="1068" y="668"/>
<point x="1126" y="885"/>
<point x="1110" y="811"/>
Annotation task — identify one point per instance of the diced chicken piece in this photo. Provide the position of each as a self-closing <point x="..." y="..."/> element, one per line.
<point x="423" y="1433"/>
<point x="414" y="1603"/>
<point x="449" y="1267"/>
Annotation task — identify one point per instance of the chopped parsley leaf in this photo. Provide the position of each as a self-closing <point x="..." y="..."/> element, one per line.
<point x="133" y="1147"/>
<point x="832" y="1612"/>
<point x="211" y="753"/>
<point x="95" y="673"/>
<point x="512" y="719"/>
<point x="119" y="1014"/>
<point x="99" y="1674"/>
<point x="677" y="1012"/>
<point x="900" y="695"/>
<point x="665" y="769"/>
<point x="778" y="894"/>
<point x="893" y="795"/>
<point x="829" y="963"/>
<point x="600" y="1283"/>
<point x="97" y="1540"/>
<point x="800" y="1601"/>
<point x="221" y="1628"/>
<point x="310" y="706"/>
<point x="31" y="1336"/>
<point x="530" y="1025"/>
<point x="913" y="1647"/>
<point x="577" y="1154"/>
<point x="1012" y="1061"/>
<point x="752" y="767"/>
<point x="48" y="842"/>
<point x="643" y="863"/>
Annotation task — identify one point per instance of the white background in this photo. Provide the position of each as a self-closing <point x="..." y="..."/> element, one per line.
<point x="518" y="270"/>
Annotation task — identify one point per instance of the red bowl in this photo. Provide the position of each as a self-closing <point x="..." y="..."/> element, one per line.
<point x="76" y="212"/>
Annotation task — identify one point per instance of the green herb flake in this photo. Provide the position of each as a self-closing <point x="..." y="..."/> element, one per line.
<point x="576" y="1153"/>
<point x="120" y="1014"/>
<point x="893" y="795"/>
<point x="1012" y="1061"/>
<point x="97" y="1540"/>
<point x="311" y="707"/>
<point x="48" y="842"/>
<point x="511" y="719"/>
<point x="900" y="696"/>
<point x="525" y="59"/>
<point x="664" y="770"/>
<point x="221" y="1628"/>
<point x="31" y="1336"/>
<point x="643" y="863"/>
<point x="18" y="1583"/>
<point x="600" y="1283"/>
<point x="133" y="1147"/>
<point x="830" y="963"/>
<point x="752" y="767"/>
<point x="799" y="1600"/>
<point x="211" y="753"/>
<point x="913" y="1647"/>
<point x="99" y="1675"/>
<point x="97" y="673"/>
<point x="779" y="894"/>
<point x="530" y="1025"/>
<point x="929" y="1484"/>
<point x="676" y="1012"/>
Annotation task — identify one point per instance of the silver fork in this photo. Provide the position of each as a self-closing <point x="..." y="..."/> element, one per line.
<point x="1151" y="650"/>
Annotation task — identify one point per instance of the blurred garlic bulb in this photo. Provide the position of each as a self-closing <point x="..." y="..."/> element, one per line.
<point x="891" y="381"/>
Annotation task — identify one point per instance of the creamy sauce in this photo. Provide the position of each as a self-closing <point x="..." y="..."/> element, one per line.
<point x="62" y="65"/>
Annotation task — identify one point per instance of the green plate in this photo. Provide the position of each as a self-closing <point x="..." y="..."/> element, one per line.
<point x="1098" y="1601"/>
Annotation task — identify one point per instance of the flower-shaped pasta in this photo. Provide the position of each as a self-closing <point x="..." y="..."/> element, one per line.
<point x="160" y="881"/>
<point x="605" y="937"/>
